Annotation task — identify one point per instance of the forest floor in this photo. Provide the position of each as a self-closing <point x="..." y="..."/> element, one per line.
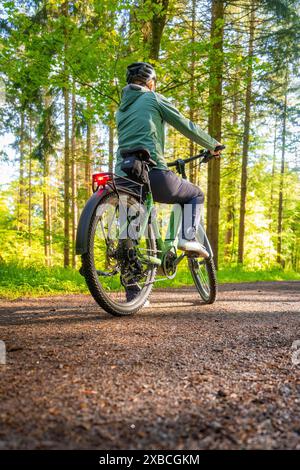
<point x="177" y="375"/>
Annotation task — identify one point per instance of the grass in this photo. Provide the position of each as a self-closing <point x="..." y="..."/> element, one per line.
<point x="33" y="281"/>
<point x="19" y="281"/>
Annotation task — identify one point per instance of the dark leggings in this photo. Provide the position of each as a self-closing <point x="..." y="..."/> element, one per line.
<point x="169" y="188"/>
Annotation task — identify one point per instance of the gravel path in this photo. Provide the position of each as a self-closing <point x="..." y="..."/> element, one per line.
<point x="176" y="375"/>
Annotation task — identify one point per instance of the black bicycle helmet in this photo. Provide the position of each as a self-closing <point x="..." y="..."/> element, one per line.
<point x="141" y="71"/>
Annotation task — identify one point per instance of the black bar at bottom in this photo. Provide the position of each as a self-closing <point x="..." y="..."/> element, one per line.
<point x="134" y="459"/>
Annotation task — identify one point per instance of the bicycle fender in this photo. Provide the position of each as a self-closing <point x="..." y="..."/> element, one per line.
<point x="202" y="238"/>
<point x="85" y="219"/>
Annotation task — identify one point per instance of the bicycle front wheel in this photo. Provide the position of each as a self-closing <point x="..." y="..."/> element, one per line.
<point x="204" y="275"/>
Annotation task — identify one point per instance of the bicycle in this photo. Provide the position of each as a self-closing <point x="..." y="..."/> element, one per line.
<point x="121" y="245"/>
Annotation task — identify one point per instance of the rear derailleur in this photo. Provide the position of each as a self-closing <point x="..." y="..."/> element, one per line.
<point x="131" y="267"/>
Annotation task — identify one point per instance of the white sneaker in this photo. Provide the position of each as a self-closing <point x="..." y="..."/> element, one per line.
<point x="192" y="246"/>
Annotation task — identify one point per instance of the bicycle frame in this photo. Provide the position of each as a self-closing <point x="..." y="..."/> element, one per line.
<point x="170" y="242"/>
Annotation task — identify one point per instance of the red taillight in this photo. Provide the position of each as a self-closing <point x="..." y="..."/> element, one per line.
<point x="100" y="179"/>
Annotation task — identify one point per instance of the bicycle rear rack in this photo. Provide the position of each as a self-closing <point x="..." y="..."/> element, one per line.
<point x="121" y="183"/>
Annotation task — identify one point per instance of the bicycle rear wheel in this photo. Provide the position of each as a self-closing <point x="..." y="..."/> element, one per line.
<point x="107" y="271"/>
<point x="204" y="275"/>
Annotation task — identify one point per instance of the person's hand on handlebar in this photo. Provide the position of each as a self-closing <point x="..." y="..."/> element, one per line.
<point x="217" y="150"/>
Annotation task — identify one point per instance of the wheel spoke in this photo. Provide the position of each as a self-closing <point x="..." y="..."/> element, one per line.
<point x="204" y="278"/>
<point x="112" y="267"/>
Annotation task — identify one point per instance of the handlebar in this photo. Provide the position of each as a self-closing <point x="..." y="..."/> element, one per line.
<point x="204" y="154"/>
<point x="191" y="159"/>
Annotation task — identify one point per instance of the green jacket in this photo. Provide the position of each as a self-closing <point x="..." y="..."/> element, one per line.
<point x="141" y="120"/>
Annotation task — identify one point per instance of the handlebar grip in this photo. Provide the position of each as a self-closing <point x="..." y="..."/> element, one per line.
<point x="219" y="147"/>
<point x="207" y="156"/>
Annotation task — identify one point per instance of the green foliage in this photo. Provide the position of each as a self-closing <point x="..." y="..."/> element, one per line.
<point x="19" y="281"/>
<point x="46" y="49"/>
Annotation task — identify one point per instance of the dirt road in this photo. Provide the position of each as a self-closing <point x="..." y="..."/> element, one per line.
<point x="176" y="375"/>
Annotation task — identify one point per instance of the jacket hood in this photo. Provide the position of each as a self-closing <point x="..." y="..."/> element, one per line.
<point x="130" y="94"/>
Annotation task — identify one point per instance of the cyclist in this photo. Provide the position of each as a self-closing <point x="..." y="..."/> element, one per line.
<point x="140" y="123"/>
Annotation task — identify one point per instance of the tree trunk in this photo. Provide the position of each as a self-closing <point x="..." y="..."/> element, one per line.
<point x="111" y="126"/>
<point x="111" y="148"/>
<point x="271" y="209"/>
<point x="46" y="196"/>
<point x="65" y="8"/>
<point x="215" y="122"/>
<point x="46" y="214"/>
<point x="231" y="184"/>
<point x="87" y="171"/>
<point x="66" y="181"/>
<point x="30" y="182"/>
<point x="192" y="172"/>
<point x="244" y="175"/>
<point x="273" y="172"/>
<point x="230" y="217"/>
<point x="279" y="258"/>
<point x="21" y="205"/>
<point x="158" y="22"/>
<point x="74" y="180"/>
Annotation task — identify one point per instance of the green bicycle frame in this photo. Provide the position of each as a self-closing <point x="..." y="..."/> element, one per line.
<point x="174" y="225"/>
<point x="170" y="242"/>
